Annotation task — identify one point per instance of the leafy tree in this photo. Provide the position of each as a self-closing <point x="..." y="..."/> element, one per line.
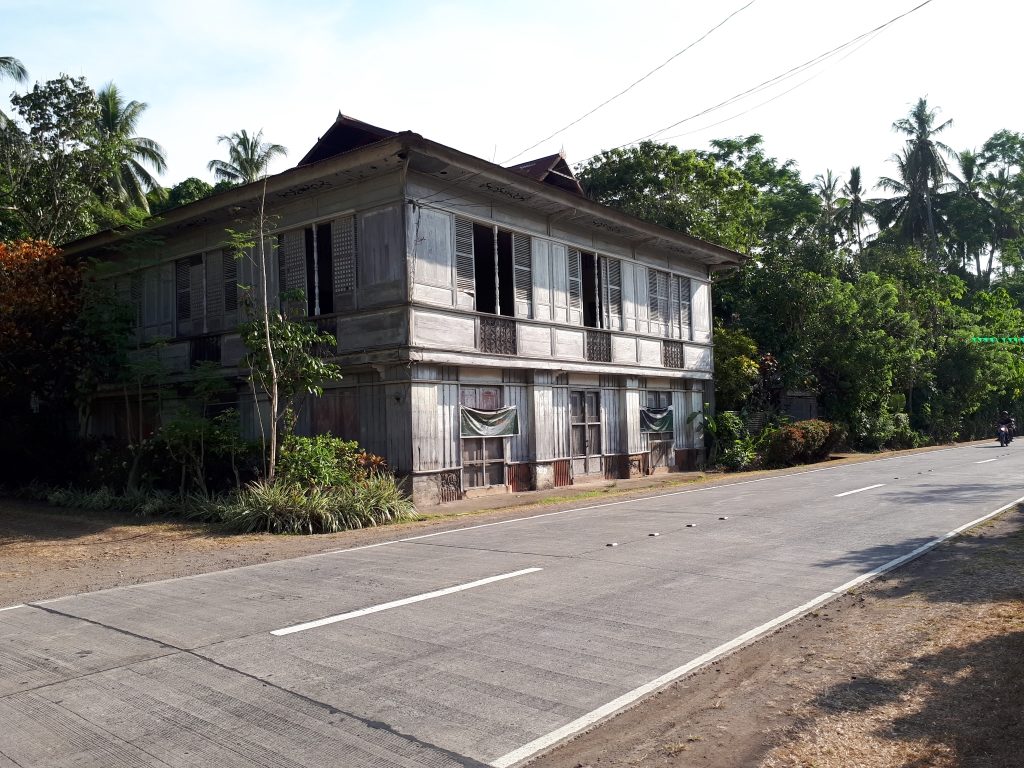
<point x="188" y="191"/>
<point x="284" y="357"/>
<point x="117" y="124"/>
<point x="681" y="190"/>
<point x="736" y="368"/>
<point x="249" y="157"/>
<point x="51" y="165"/>
<point x="40" y="297"/>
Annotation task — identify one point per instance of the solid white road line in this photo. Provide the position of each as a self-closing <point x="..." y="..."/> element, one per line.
<point x="865" y="488"/>
<point x="12" y="607"/>
<point x="398" y="603"/>
<point x="586" y="721"/>
<point x="986" y="461"/>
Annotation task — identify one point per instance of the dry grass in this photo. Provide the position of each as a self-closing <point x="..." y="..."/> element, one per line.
<point x="939" y="684"/>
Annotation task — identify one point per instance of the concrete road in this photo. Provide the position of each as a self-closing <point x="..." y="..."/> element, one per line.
<point x="472" y="647"/>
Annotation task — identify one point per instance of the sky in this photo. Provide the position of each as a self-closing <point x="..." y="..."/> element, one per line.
<point x="493" y="78"/>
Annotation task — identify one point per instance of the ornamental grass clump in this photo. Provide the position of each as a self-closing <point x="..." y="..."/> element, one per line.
<point x="287" y="507"/>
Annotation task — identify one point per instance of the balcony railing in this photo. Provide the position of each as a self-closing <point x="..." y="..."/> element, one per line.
<point x="672" y="354"/>
<point x="599" y="347"/>
<point x="498" y="336"/>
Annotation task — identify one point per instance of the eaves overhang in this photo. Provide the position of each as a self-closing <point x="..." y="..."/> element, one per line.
<point x="457" y="171"/>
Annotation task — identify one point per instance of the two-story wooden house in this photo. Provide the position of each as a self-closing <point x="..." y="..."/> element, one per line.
<point x="497" y="329"/>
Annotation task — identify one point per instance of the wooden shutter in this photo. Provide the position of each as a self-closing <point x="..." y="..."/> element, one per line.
<point x="684" y="307"/>
<point x="611" y="278"/>
<point x="522" y="274"/>
<point x="229" y="271"/>
<point x="542" y="309"/>
<point x="575" y="288"/>
<point x="653" y="304"/>
<point x="700" y="310"/>
<point x="182" y="296"/>
<point x="673" y="331"/>
<point x="292" y="265"/>
<point x="214" y="291"/>
<point x="197" y="294"/>
<point x="640" y="297"/>
<point x="559" y="284"/>
<point x="166" y="300"/>
<point x="465" y="279"/>
<point x="343" y="261"/>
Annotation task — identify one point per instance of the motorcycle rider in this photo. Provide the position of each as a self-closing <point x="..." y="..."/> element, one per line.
<point x="1005" y="420"/>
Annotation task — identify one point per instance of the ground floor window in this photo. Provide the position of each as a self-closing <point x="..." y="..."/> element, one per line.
<point x="660" y="443"/>
<point x="585" y="426"/>
<point x="483" y="458"/>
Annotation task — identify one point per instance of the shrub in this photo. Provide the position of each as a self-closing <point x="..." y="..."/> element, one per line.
<point x="287" y="507"/>
<point x="741" y="454"/>
<point x="785" y="447"/>
<point x="903" y="436"/>
<point x="803" y="442"/>
<point x="323" y="461"/>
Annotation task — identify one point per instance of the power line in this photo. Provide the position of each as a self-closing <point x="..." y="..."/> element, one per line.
<point x="793" y="71"/>
<point x="768" y="101"/>
<point x="789" y="73"/>
<point x="630" y="87"/>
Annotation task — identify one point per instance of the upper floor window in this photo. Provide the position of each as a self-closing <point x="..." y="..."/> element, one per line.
<point x="319" y="261"/>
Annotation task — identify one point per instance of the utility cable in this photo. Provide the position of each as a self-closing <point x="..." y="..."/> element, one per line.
<point x="630" y="87"/>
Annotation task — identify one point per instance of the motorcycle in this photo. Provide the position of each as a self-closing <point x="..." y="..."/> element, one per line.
<point x="1004" y="433"/>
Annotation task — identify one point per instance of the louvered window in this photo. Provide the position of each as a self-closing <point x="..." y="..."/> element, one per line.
<point x="522" y="261"/>
<point x="292" y="265"/>
<point x="230" y="269"/>
<point x="611" y="277"/>
<point x="464" y="256"/>
<point x="343" y="252"/>
<point x="575" y="281"/>
<point x="683" y="288"/>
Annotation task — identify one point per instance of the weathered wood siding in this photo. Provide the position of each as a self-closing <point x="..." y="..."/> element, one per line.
<point x="560" y="422"/>
<point x="435" y="426"/>
<point x="611" y="421"/>
<point x="381" y="262"/>
<point x="518" y="448"/>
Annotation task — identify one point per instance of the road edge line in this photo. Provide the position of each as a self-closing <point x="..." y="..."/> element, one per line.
<point x="617" y="705"/>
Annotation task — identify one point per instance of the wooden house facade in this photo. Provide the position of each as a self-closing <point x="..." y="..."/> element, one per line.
<point x="497" y="330"/>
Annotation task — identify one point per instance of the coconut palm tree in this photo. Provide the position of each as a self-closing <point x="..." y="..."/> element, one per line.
<point x="924" y="160"/>
<point x="248" y="157"/>
<point x="117" y="123"/>
<point x="853" y="208"/>
<point x="971" y="213"/>
<point x="14" y="69"/>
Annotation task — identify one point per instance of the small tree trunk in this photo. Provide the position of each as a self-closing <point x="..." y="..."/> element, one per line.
<point x="272" y="365"/>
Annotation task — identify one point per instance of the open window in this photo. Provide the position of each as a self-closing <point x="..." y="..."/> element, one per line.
<point x="502" y="271"/>
<point x="319" y="275"/>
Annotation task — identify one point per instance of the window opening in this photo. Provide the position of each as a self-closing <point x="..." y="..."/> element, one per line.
<point x="483" y="458"/>
<point x="591" y="290"/>
<point x="483" y="269"/>
<point x="585" y="437"/>
<point x="506" y="274"/>
<point x="319" y="274"/>
<point x="660" y="443"/>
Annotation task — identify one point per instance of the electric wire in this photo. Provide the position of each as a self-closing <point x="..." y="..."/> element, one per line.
<point x="630" y="87"/>
<point x="782" y="77"/>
